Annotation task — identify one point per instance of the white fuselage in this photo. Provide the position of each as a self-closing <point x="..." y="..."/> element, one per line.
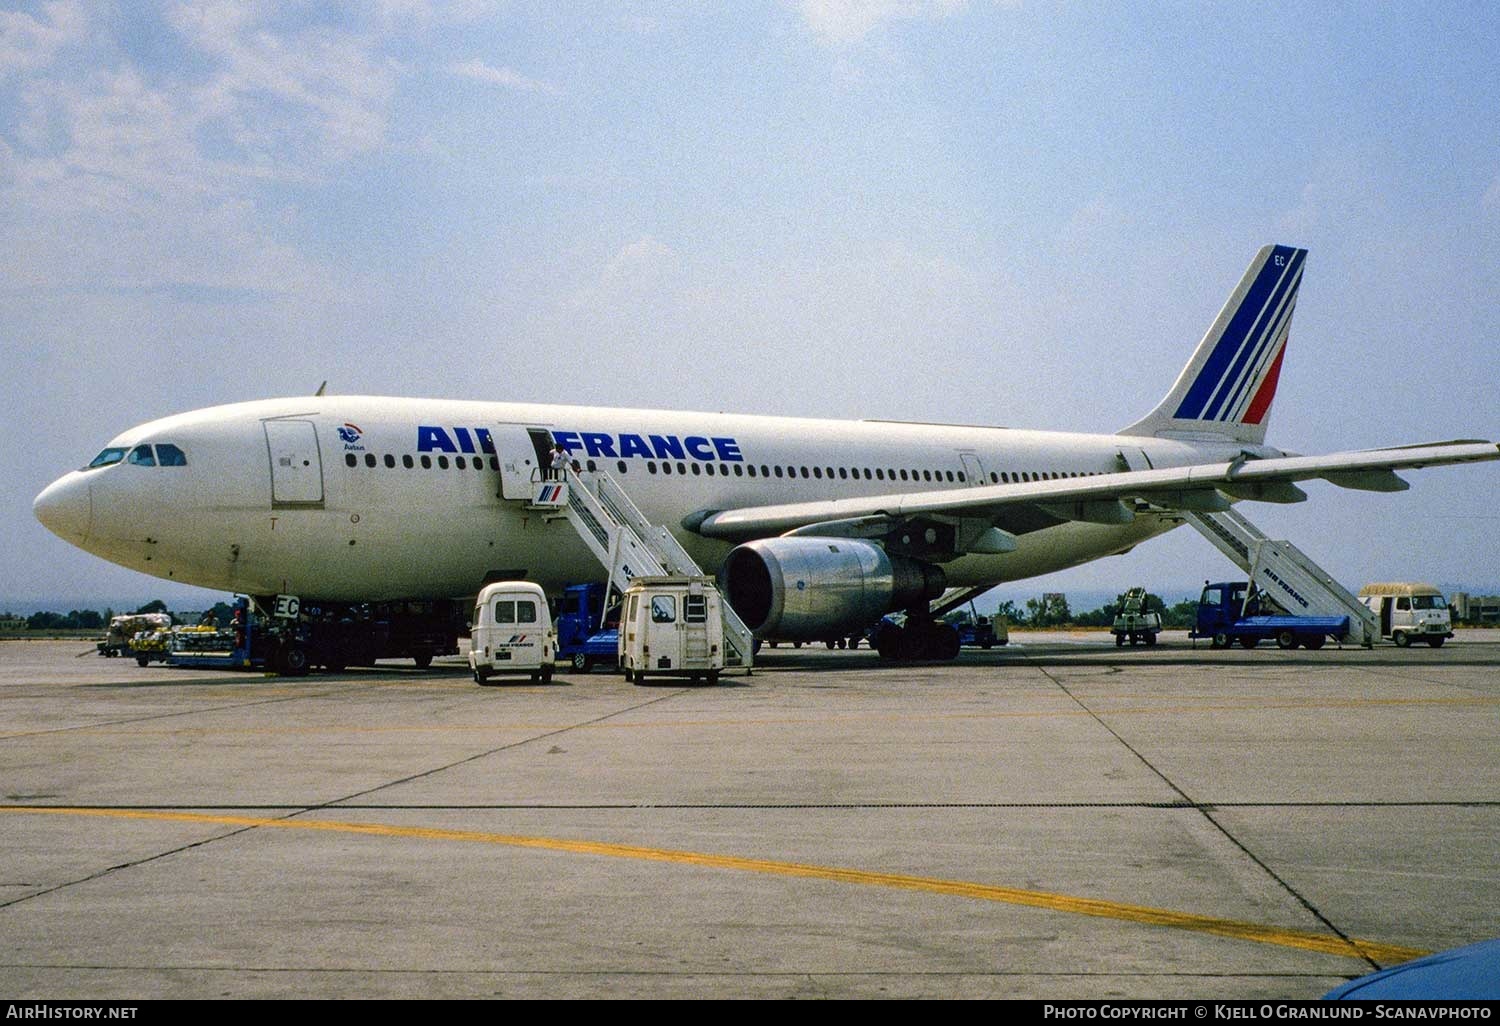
<point x="261" y="509"/>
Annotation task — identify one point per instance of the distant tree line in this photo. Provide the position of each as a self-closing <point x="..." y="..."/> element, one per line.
<point x="88" y="619"/>
<point x="1052" y="611"/>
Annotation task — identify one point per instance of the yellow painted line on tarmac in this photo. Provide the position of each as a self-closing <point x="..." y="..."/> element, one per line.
<point x="1381" y="954"/>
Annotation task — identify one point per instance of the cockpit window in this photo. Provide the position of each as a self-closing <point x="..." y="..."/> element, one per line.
<point x="107" y="458"/>
<point x="141" y="456"/>
<point x="170" y="456"/>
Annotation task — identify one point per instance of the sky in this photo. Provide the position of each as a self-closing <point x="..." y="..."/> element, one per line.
<point x="1022" y="214"/>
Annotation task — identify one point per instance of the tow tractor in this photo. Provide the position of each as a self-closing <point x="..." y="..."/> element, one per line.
<point x="1231" y="611"/>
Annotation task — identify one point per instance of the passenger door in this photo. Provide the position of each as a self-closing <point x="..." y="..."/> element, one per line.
<point x="296" y="467"/>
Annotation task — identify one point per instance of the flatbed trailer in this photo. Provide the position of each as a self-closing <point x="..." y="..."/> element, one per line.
<point x="1228" y="613"/>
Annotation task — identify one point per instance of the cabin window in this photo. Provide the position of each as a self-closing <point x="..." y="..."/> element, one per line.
<point x="369" y="459"/>
<point x="1403" y="603"/>
<point x="708" y="468"/>
<point x="494" y="462"/>
<point x="749" y="469"/>
<point x="460" y="463"/>
<point x="621" y="465"/>
<point x="994" y="479"/>
<point x="406" y="461"/>
<point x="818" y="473"/>
<point x="664" y="609"/>
<point x="349" y="460"/>
<point x="426" y="462"/>
<point x="681" y="467"/>
<point x="697" y="469"/>
<point x="390" y="461"/>
<point x="443" y="462"/>
<point x="778" y="470"/>
<point x="650" y="466"/>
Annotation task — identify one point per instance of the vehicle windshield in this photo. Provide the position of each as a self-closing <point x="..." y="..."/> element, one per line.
<point x="106" y="458"/>
<point x="1428" y="602"/>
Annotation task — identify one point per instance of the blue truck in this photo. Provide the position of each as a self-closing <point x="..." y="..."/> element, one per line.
<point x="1229" y="612"/>
<point x="586" y="636"/>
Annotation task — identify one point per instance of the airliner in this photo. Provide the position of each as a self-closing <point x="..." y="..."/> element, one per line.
<point x="815" y="528"/>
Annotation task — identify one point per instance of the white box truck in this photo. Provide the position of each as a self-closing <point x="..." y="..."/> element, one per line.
<point x="512" y="633"/>
<point x="672" y="626"/>
<point x="1409" y="612"/>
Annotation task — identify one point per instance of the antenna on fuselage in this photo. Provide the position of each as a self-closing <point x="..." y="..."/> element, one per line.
<point x="321" y="387"/>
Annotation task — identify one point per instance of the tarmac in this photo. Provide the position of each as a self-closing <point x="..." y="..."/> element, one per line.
<point x="1054" y="819"/>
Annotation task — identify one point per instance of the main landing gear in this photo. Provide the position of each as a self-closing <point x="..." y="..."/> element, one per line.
<point x="921" y="637"/>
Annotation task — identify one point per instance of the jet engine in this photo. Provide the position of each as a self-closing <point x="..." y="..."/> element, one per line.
<point x="812" y="589"/>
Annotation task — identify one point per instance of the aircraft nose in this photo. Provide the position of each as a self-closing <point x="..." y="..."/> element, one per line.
<point x="66" y="508"/>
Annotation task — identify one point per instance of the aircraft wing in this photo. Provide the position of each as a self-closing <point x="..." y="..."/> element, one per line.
<point x="1019" y="508"/>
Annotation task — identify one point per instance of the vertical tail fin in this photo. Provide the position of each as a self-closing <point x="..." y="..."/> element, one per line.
<point x="1226" y="389"/>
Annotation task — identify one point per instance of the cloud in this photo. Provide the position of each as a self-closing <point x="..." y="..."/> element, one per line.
<point x="478" y="71"/>
<point x="846" y="22"/>
<point x="140" y="175"/>
<point x="28" y="43"/>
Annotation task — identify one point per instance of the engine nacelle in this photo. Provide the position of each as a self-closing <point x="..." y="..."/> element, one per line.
<point x="812" y="589"/>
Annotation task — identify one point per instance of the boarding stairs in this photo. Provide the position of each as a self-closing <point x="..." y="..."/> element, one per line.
<point x="628" y="545"/>
<point x="1285" y="573"/>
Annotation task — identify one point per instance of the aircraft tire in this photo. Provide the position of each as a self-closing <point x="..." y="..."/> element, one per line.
<point x="293" y="660"/>
<point x="945" y="644"/>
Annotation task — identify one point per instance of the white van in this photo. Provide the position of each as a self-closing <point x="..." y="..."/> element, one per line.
<point x="1409" y="612"/>
<point x="512" y="633"/>
<point x="672" y="626"/>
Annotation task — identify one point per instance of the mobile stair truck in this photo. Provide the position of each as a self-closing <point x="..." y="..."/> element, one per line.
<point x="512" y="633"/>
<point x="1230" y="612"/>
<point x="672" y="626"/>
<point x="587" y="633"/>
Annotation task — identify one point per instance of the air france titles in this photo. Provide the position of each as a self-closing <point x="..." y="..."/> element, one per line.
<point x="703" y="448"/>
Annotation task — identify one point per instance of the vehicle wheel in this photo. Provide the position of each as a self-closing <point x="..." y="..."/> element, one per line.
<point x="1436" y="642"/>
<point x="640" y="677"/>
<point x="1314" y="643"/>
<point x="481" y="677"/>
<point x="141" y="660"/>
<point x="1150" y="640"/>
<point x="546" y="675"/>
<point x="582" y="663"/>
<point x="796" y="644"/>
<point x="1286" y="639"/>
<point x="1119" y="641"/>
<point x="1247" y="641"/>
<point x="629" y="675"/>
<point x="946" y="644"/>
<point x="1401" y="638"/>
<point x="713" y="678"/>
<point x="987" y="645"/>
<point x="1220" y="640"/>
<point x="294" y="660"/>
<point x="422" y="659"/>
